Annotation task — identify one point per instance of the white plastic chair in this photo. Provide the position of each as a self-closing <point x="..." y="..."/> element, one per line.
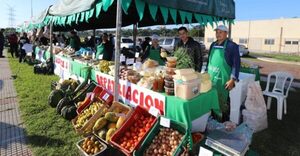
<point x="283" y="81"/>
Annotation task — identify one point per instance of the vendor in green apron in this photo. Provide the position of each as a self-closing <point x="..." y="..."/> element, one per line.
<point x="74" y="41"/>
<point x="153" y="51"/>
<point x="105" y="49"/>
<point x="223" y="66"/>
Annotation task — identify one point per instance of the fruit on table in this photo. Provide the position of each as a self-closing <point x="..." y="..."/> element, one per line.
<point x="120" y="122"/>
<point x="104" y="66"/>
<point x="100" y="123"/>
<point x="109" y="133"/>
<point x="87" y="114"/>
<point x="111" y="116"/>
<point x="102" y="133"/>
<point x="165" y="143"/>
<point x="134" y="134"/>
<point x="91" y="145"/>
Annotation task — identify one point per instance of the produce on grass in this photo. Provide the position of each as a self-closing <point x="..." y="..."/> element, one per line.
<point x="91" y="145"/>
<point x="69" y="112"/>
<point x="134" y="134"/>
<point x="165" y="143"/>
<point x="84" y="117"/>
<point x="54" y="97"/>
<point x="106" y="125"/>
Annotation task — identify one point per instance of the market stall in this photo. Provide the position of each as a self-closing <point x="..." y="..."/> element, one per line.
<point x="152" y="93"/>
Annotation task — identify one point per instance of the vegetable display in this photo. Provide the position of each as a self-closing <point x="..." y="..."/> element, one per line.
<point x="165" y="143"/>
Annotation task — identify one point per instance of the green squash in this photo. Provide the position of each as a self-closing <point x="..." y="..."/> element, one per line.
<point x="63" y="102"/>
<point x="69" y="112"/>
<point x="54" y="97"/>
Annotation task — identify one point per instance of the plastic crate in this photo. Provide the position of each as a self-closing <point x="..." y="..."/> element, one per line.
<point x="123" y="108"/>
<point x="97" y="90"/>
<point x="106" y="97"/>
<point x="130" y="121"/>
<point x="180" y="127"/>
<point x="92" y="120"/>
<point x="82" y="94"/>
<point x="83" y="153"/>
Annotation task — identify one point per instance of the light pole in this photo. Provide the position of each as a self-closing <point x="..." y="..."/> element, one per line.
<point x="31" y="9"/>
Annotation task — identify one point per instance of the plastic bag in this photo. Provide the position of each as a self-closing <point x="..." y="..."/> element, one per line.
<point x="255" y="115"/>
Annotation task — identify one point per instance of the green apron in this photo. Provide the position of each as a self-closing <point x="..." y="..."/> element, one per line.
<point x="219" y="72"/>
<point x="100" y="51"/>
<point x="154" y="54"/>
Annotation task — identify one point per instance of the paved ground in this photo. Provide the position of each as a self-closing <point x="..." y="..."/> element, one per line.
<point x="12" y="138"/>
<point x="267" y="67"/>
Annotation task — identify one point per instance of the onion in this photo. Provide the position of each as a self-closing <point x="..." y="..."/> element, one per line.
<point x="155" y="151"/>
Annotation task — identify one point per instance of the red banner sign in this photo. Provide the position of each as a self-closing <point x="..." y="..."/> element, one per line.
<point x="133" y="94"/>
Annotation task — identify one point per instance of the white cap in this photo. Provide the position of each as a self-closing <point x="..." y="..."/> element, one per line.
<point x="222" y="28"/>
<point x="155" y="37"/>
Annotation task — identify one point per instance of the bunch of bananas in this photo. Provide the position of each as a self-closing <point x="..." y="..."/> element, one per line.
<point x="87" y="114"/>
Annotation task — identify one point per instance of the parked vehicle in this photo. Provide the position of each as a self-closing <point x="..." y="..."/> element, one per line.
<point x="168" y="43"/>
<point x="243" y="50"/>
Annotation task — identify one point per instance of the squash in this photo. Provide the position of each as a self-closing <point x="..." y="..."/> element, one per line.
<point x="102" y="133"/>
<point x="110" y="133"/>
<point x="99" y="124"/>
<point x="69" y="112"/>
<point x="54" y="97"/>
<point x="63" y="102"/>
<point x="111" y="125"/>
<point x="111" y="116"/>
<point x="120" y="122"/>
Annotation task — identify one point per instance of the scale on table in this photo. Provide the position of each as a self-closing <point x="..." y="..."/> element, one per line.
<point x="227" y="144"/>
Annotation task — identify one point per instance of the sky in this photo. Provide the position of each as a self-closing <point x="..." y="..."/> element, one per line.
<point x="245" y="9"/>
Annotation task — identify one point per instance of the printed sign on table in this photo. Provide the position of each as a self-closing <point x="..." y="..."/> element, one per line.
<point x="62" y="67"/>
<point x="133" y="94"/>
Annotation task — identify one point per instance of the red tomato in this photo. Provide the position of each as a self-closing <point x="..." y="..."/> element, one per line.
<point x="127" y="134"/>
<point x="142" y="117"/>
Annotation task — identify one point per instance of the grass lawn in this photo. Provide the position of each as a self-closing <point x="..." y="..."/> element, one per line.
<point x="281" y="137"/>
<point x="47" y="133"/>
<point x="283" y="57"/>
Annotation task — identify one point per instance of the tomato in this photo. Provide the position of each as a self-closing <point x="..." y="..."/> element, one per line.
<point x="142" y="117"/>
<point x="148" y="125"/>
<point x="128" y="144"/>
<point x="136" y="124"/>
<point x="136" y="143"/>
<point x="127" y="134"/>
<point x="141" y="134"/>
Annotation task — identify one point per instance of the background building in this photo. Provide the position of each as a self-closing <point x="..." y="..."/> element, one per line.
<point x="278" y="35"/>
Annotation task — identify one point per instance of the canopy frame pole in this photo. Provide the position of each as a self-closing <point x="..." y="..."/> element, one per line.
<point x="117" y="50"/>
<point x="134" y="35"/>
<point x="51" y="40"/>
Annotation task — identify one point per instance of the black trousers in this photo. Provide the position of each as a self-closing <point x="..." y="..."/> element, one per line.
<point x="22" y="56"/>
<point x="225" y="115"/>
<point x="1" y="50"/>
<point x="14" y="50"/>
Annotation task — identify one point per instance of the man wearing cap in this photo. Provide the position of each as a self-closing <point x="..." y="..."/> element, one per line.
<point x="153" y="51"/>
<point x="223" y="66"/>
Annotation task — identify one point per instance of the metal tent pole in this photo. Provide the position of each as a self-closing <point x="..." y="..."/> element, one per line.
<point x="117" y="50"/>
<point x="51" y="39"/>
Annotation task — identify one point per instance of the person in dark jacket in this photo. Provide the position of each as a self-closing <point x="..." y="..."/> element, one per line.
<point x="75" y="41"/>
<point x="192" y="46"/>
<point x="145" y="44"/>
<point x="223" y="66"/>
<point x="24" y="39"/>
<point x="13" y="44"/>
<point x="2" y="40"/>
<point x="105" y="49"/>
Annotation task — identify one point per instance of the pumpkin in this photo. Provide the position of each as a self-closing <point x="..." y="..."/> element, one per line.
<point x="69" y="112"/>
<point x="54" y="97"/>
<point x="63" y="102"/>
